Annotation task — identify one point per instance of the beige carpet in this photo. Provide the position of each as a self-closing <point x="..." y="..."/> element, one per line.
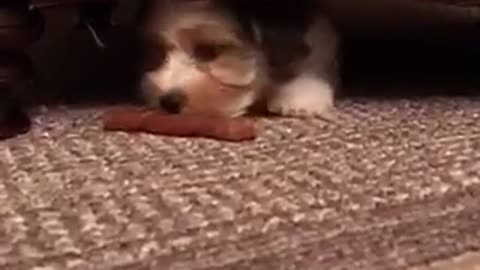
<point x="396" y="184"/>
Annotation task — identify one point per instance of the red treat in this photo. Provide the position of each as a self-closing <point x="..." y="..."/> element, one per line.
<point x="130" y="119"/>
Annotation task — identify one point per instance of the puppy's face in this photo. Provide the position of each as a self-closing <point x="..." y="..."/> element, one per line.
<point x="197" y="61"/>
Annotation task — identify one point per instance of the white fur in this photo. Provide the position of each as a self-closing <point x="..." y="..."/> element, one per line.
<point x="306" y="95"/>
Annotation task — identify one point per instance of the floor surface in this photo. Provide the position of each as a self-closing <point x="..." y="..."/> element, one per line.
<point x="395" y="184"/>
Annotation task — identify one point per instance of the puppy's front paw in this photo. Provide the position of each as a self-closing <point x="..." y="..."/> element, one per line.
<point x="304" y="97"/>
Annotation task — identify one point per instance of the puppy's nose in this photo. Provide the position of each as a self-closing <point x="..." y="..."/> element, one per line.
<point x="172" y="102"/>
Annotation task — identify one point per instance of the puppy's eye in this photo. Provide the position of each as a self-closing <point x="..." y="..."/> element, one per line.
<point x="207" y="52"/>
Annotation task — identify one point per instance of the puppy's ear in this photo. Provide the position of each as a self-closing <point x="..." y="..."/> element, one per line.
<point x="284" y="46"/>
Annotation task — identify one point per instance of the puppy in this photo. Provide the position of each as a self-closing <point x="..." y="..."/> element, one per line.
<point x="228" y="57"/>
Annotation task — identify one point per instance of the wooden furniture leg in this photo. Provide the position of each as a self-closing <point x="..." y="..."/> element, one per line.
<point x="20" y="26"/>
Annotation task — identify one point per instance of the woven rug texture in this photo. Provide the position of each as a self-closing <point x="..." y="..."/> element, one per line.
<point x="395" y="184"/>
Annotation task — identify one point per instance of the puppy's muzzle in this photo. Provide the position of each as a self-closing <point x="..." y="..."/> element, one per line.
<point x="173" y="102"/>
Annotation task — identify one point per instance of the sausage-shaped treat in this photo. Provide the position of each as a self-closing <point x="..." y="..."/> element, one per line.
<point x="131" y="119"/>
